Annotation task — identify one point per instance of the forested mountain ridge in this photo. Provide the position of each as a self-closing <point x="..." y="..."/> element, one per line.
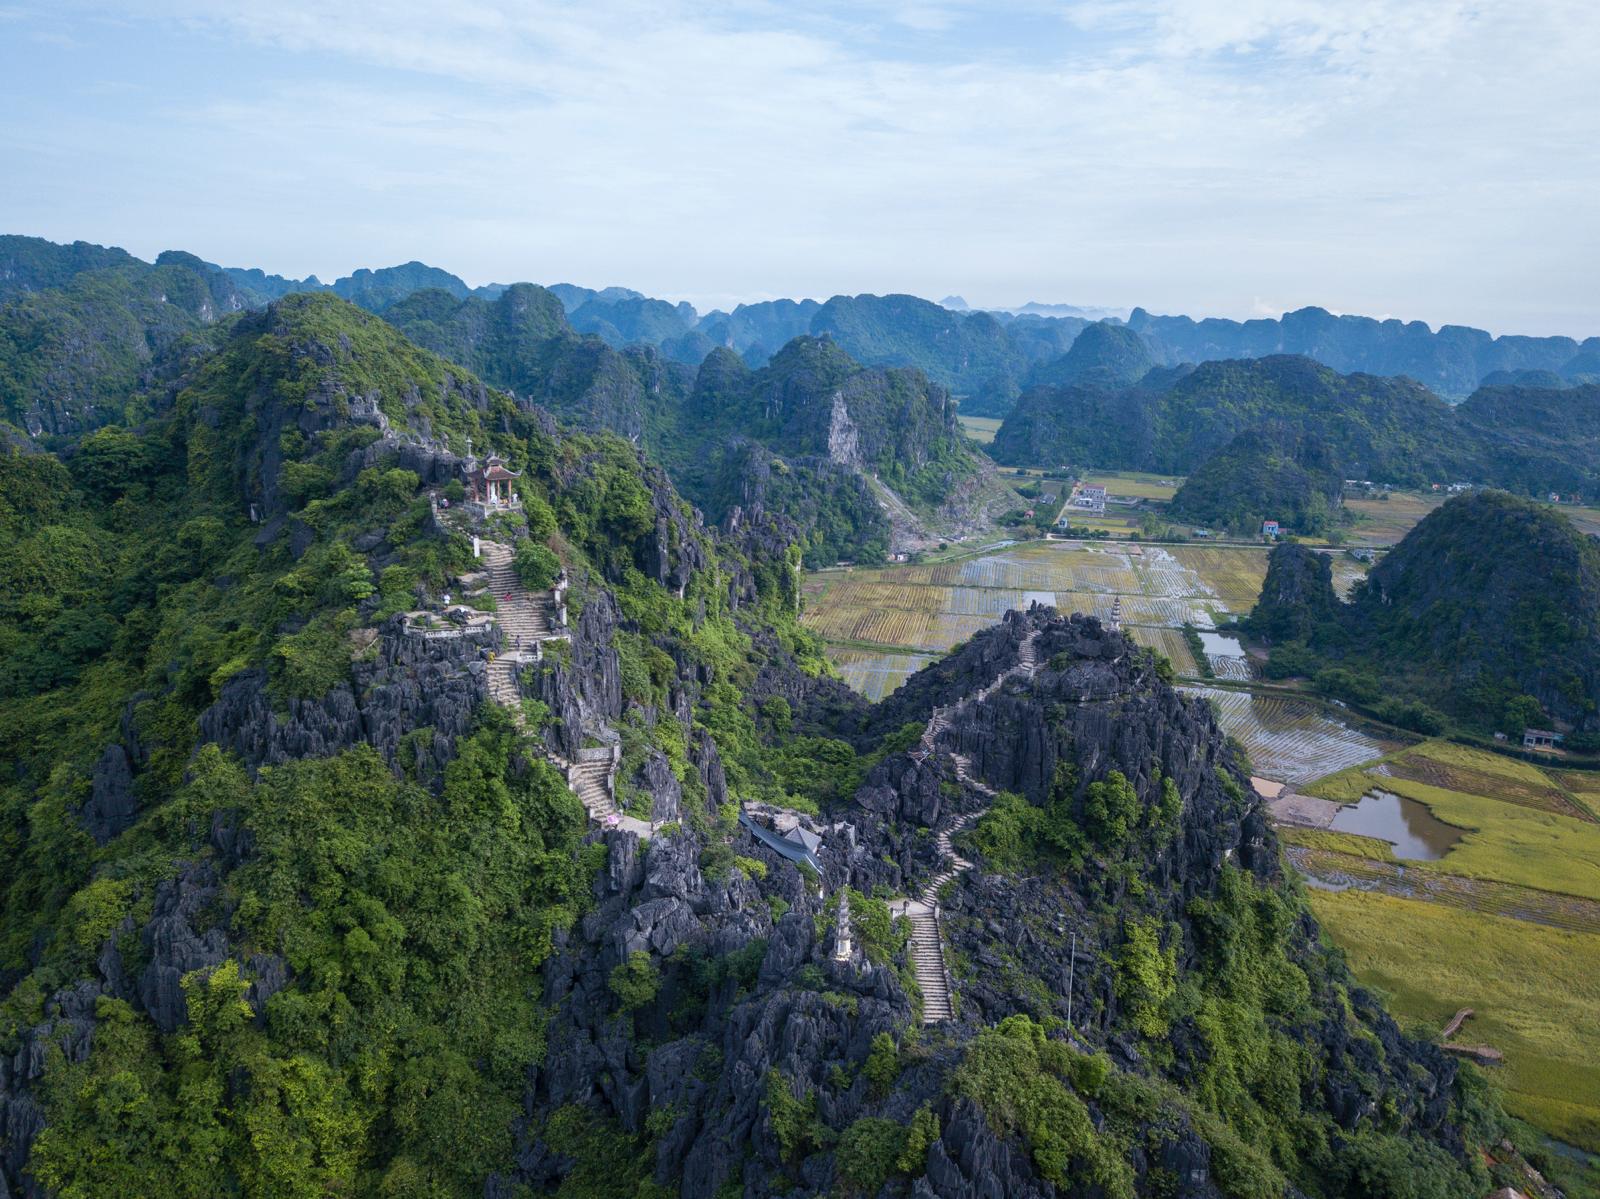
<point x="818" y="416"/>
<point x="90" y="352"/>
<point x="1261" y="475"/>
<point x="1487" y="611"/>
<point x="1452" y="361"/>
<point x="72" y="356"/>
<point x="1391" y="430"/>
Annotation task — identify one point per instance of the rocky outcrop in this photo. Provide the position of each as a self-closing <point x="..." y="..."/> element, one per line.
<point x="1296" y="596"/>
<point x="412" y="683"/>
<point x="749" y="1005"/>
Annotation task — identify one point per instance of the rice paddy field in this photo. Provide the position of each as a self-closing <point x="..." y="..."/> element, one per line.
<point x="1291" y="740"/>
<point x="926" y="608"/>
<point x="882" y="624"/>
<point x="1506" y="922"/>
<point x="874" y="673"/>
<point x="980" y="428"/>
<point x="1534" y="989"/>
<point x="1136" y="485"/>
<point x="1384" y="522"/>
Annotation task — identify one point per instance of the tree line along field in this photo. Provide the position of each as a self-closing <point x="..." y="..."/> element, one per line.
<point x="1507" y="922"/>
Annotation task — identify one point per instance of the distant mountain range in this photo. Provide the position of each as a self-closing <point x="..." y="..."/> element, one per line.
<point x="744" y="407"/>
<point x="808" y="439"/>
<point x="986" y="358"/>
<point x="1393" y="430"/>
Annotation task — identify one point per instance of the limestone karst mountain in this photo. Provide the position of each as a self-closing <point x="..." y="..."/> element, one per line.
<point x="300" y="900"/>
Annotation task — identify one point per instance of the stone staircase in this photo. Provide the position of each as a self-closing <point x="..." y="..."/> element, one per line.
<point x="927" y="961"/>
<point x="591" y="777"/>
<point x="927" y="943"/>
<point x="526" y="620"/>
<point x="523" y="618"/>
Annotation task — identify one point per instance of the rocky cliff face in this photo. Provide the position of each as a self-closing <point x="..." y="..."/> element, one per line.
<point x="409" y="683"/>
<point x="751" y="1003"/>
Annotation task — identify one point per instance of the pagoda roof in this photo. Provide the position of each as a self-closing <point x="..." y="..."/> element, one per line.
<point x="496" y="471"/>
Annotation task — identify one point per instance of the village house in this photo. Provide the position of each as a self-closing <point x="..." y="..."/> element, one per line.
<point x="1541" y="739"/>
<point x="1092" y="499"/>
<point x="1269" y="528"/>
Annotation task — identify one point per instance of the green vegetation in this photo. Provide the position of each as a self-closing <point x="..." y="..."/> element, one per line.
<point x="71" y="353"/>
<point x="192" y="607"/>
<point x="411" y="908"/>
<point x="635" y="980"/>
<point x="1487" y="612"/>
<point x="1147" y="977"/>
<point x="410" y="1001"/>
<point x="536" y="565"/>
<point x="717" y="434"/>
<point x="873" y="1149"/>
<point x="1022" y="1082"/>
<point x="1257" y="477"/>
<point x="1527" y="439"/>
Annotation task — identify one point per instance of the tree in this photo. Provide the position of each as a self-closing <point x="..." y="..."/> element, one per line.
<point x="1522" y="712"/>
<point x="635" y="980"/>
<point x="536" y="565"/>
<point x="1111" y="810"/>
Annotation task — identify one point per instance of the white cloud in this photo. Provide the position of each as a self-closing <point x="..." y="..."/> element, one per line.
<point x="1430" y="158"/>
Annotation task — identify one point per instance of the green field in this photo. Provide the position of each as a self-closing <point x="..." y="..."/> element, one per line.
<point x="1506" y="839"/>
<point x="1535" y="992"/>
<point x="1135" y="484"/>
<point x="1384" y="522"/>
<point x="1507" y="922"/>
<point x="980" y="428"/>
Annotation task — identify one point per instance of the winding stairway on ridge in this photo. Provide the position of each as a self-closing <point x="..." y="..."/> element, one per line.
<point x="527" y="624"/>
<point x="927" y="943"/>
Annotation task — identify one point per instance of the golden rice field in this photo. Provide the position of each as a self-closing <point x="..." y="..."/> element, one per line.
<point x="1169" y="642"/>
<point x="1503" y="923"/>
<point x="1384" y="522"/>
<point x="1534" y="989"/>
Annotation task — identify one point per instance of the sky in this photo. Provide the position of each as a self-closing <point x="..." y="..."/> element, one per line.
<point x="1427" y="159"/>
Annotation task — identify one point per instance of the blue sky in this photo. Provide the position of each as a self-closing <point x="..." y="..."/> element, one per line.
<point x="1433" y="160"/>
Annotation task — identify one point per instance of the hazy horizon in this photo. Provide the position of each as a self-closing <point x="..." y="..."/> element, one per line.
<point x="1427" y="161"/>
